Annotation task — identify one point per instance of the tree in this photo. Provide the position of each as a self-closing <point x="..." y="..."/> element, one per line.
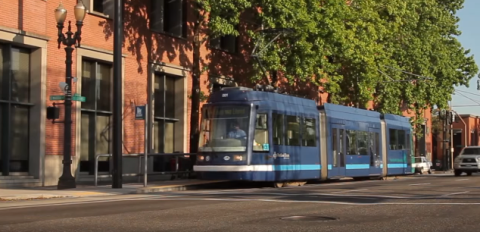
<point x="397" y="53"/>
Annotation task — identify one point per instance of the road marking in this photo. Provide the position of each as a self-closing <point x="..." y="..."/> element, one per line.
<point x="317" y="202"/>
<point x="419" y="184"/>
<point x="450" y="194"/>
<point x="462" y="180"/>
<point x="355" y="190"/>
<point x="82" y="201"/>
<point x="317" y="194"/>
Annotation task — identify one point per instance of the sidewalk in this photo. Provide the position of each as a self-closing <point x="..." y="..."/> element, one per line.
<point x="105" y="190"/>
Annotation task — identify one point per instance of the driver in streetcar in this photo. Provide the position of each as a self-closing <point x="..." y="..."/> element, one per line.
<point x="237" y="133"/>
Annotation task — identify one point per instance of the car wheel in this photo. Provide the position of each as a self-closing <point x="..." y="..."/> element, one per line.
<point x="429" y="171"/>
<point x="457" y="173"/>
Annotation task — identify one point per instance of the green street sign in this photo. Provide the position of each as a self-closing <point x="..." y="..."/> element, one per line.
<point x="57" y="97"/>
<point x="78" y="98"/>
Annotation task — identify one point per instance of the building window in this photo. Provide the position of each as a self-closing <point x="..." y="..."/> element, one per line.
<point x="227" y="43"/>
<point x="14" y="108"/>
<point x="164" y="119"/>
<point x="168" y="16"/>
<point x="96" y="114"/>
<point x="104" y="7"/>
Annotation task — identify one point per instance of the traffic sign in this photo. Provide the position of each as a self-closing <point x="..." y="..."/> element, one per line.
<point x="140" y="112"/>
<point x="79" y="98"/>
<point x="57" y="97"/>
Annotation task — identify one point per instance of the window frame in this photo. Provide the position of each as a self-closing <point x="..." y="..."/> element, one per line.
<point x="95" y="113"/>
<point x="164" y="19"/>
<point x="163" y="120"/>
<point x="7" y="122"/>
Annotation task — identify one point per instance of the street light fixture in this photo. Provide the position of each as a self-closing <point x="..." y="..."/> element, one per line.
<point x="69" y="39"/>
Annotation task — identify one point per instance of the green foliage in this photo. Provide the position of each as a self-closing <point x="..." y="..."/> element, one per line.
<point x="357" y="51"/>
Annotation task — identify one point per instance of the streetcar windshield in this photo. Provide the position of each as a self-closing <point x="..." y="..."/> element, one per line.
<point x="224" y="129"/>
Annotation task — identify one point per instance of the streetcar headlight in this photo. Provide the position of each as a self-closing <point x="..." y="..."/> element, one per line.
<point x="238" y="158"/>
<point x="201" y="157"/>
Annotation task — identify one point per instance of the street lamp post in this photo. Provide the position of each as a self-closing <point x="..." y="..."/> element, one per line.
<point x="69" y="39"/>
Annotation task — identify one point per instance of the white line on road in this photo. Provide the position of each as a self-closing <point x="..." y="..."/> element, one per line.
<point x="316" y="194"/>
<point x="318" y="202"/>
<point x="83" y="201"/>
<point x="355" y="190"/>
<point x="462" y="180"/>
<point x="450" y="194"/>
<point x="419" y="184"/>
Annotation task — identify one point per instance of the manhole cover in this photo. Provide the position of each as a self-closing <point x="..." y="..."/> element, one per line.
<point x="308" y="218"/>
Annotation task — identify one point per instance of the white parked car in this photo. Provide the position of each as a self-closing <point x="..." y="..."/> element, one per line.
<point x="422" y="164"/>
<point x="467" y="161"/>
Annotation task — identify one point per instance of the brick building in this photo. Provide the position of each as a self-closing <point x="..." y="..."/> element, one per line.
<point x="157" y="58"/>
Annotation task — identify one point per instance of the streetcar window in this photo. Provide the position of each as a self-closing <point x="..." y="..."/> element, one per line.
<point x="278" y="123"/>
<point x="393" y="139"/>
<point x="309" y="132"/>
<point x="351" y="142"/>
<point x="377" y="146"/>
<point x="362" y="142"/>
<point x="334" y="147"/>
<point x="260" y="142"/>
<point x="292" y="136"/>
<point x="401" y="139"/>
<point x="224" y="129"/>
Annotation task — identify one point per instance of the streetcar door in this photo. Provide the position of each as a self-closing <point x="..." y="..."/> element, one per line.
<point x="374" y="152"/>
<point x="336" y="155"/>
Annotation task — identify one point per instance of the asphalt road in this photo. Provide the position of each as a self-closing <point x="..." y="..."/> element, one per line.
<point x="426" y="203"/>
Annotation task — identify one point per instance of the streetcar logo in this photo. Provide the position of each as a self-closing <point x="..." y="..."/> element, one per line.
<point x="281" y="155"/>
<point x="226" y="158"/>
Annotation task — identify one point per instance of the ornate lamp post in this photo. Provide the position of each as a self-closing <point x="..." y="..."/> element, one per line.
<point x="69" y="39"/>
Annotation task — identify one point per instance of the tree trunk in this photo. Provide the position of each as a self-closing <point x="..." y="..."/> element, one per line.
<point x="195" y="112"/>
<point x="196" y="72"/>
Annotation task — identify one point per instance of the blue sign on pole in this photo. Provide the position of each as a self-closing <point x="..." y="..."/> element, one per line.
<point x="140" y="112"/>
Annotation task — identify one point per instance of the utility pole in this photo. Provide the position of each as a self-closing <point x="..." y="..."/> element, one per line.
<point x="117" y="94"/>
<point x="444" y="135"/>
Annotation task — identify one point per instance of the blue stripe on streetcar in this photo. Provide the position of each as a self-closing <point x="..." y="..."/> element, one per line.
<point x="297" y="167"/>
<point x="397" y="165"/>
<point x="358" y="166"/>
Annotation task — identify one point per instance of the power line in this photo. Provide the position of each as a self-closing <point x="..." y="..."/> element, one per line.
<point x="476" y="94"/>
<point x="469" y="98"/>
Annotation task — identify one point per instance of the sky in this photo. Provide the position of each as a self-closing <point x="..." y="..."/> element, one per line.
<point x="467" y="100"/>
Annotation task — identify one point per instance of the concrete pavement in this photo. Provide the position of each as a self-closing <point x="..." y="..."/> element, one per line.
<point x="106" y="190"/>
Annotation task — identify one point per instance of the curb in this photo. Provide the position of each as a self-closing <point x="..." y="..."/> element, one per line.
<point x="177" y="187"/>
<point x="142" y="190"/>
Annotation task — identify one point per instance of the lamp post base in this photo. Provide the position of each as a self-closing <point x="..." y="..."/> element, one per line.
<point x="66" y="183"/>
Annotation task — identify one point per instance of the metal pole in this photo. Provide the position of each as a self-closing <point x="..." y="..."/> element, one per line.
<point x="444" y="158"/>
<point x="67" y="181"/>
<point x="117" y="94"/>
<point x="146" y="147"/>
